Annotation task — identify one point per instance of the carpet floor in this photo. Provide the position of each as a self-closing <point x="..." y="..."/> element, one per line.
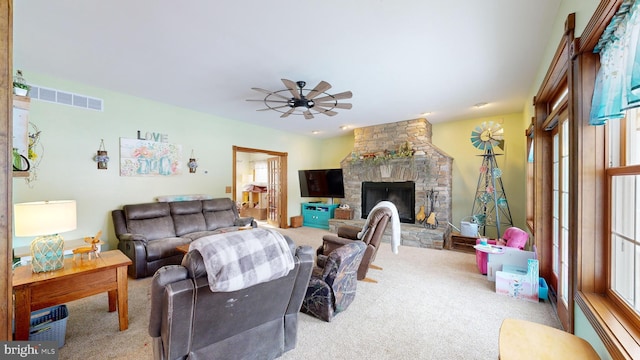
<point x="427" y="304"/>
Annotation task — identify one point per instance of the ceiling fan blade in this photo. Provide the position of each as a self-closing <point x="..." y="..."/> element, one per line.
<point x="289" y="112"/>
<point x="324" y="111"/>
<point x="292" y="87"/>
<point x="271" y="101"/>
<point x="308" y="115"/>
<point x="336" y="105"/>
<point x="270" y="93"/>
<point x="273" y="108"/>
<point x="340" y="96"/>
<point x="319" y="89"/>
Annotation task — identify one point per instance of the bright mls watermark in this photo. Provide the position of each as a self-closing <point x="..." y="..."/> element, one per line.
<point x="31" y="350"/>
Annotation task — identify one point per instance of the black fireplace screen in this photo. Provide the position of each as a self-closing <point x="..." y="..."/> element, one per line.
<point x="401" y="194"/>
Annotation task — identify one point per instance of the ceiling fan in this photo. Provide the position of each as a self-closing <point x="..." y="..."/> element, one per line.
<point x="307" y="104"/>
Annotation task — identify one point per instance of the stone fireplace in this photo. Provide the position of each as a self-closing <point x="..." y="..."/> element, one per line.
<point x="429" y="169"/>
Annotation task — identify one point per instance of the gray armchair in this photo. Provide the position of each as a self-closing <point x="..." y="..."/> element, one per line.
<point x="188" y="320"/>
<point x="372" y="237"/>
<point x="333" y="283"/>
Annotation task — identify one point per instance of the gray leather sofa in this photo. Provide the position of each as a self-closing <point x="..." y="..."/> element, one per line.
<point x="188" y="320"/>
<point x="150" y="233"/>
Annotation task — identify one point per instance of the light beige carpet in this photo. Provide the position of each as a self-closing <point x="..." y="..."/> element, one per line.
<point x="427" y="304"/>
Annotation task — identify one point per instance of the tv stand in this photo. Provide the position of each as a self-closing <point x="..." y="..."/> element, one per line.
<point x="317" y="215"/>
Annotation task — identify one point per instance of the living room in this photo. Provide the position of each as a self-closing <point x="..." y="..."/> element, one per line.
<point x="69" y="138"/>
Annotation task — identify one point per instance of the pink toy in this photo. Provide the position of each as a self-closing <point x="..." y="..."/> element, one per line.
<point x="481" y="257"/>
<point x="515" y="238"/>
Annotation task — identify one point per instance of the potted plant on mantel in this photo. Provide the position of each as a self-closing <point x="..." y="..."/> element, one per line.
<point x="20" y="86"/>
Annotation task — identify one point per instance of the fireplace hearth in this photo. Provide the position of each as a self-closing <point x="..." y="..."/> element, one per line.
<point x="429" y="169"/>
<point x="401" y="194"/>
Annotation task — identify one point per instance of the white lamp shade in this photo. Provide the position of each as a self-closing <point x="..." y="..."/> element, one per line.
<point x="44" y="217"/>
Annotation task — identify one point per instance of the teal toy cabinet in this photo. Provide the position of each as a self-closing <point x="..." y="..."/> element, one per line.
<point x="317" y="215"/>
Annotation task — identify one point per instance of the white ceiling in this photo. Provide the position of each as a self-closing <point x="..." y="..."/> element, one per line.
<point x="400" y="58"/>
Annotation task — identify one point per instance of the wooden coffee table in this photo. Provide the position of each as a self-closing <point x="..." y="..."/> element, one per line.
<point x="78" y="279"/>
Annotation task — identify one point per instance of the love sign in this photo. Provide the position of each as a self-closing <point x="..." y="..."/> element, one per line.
<point x="152" y="136"/>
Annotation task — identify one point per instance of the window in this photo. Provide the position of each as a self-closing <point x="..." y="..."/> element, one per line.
<point x="604" y="188"/>
<point x="530" y="180"/>
<point x="623" y="175"/>
<point x="260" y="171"/>
<point x="552" y="190"/>
<point x="560" y="217"/>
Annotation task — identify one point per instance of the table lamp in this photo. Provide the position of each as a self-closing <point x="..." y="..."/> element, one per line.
<point x="45" y="220"/>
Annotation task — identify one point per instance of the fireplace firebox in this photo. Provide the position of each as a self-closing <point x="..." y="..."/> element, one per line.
<point x="401" y="194"/>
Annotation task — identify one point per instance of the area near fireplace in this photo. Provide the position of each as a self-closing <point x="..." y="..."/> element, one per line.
<point x="429" y="169"/>
<point x="401" y="194"/>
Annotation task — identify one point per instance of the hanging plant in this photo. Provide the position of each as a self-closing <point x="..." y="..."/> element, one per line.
<point x="20" y="86"/>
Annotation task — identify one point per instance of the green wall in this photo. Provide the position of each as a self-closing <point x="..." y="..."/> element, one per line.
<point x="71" y="136"/>
<point x="335" y="149"/>
<point x="448" y="137"/>
<point x="454" y="139"/>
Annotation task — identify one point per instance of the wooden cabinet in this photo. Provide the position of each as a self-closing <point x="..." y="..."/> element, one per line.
<point x="462" y="243"/>
<point x="317" y="215"/>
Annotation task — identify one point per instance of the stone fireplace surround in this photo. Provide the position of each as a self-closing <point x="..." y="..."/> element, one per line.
<point x="430" y="168"/>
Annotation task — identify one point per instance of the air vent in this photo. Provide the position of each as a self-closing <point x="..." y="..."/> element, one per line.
<point x="65" y="98"/>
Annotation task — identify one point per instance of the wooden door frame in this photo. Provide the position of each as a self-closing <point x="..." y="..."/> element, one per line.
<point x="557" y="75"/>
<point x="282" y="201"/>
<point x="6" y="175"/>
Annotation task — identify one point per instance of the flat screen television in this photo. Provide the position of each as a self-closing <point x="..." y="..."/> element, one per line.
<point x="324" y="183"/>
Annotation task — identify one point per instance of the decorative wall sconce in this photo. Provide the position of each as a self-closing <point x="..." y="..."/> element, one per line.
<point x="101" y="158"/>
<point x="192" y="164"/>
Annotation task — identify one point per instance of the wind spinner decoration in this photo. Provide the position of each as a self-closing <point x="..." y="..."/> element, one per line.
<point x="490" y="207"/>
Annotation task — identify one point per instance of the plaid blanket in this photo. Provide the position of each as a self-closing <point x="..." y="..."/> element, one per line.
<point x="239" y="259"/>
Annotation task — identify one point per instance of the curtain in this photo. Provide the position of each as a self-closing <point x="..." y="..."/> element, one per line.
<point x="617" y="86"/>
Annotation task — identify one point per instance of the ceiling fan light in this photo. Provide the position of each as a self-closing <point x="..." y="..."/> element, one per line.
<point x="301" y="103"/>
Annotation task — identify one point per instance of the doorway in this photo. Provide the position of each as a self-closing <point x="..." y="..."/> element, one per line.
<point x="261" y="188"/>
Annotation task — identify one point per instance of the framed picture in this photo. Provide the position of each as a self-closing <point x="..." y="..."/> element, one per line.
<point x="149" y="158"/>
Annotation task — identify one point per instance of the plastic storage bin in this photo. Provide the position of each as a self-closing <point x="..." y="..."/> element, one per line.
<point x="543" y="289"/>
<point x="49" y="324"/>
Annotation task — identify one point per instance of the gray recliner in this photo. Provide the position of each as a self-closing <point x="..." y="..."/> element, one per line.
<point x="188" y="320"/>
<point x="372" y="237"/>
